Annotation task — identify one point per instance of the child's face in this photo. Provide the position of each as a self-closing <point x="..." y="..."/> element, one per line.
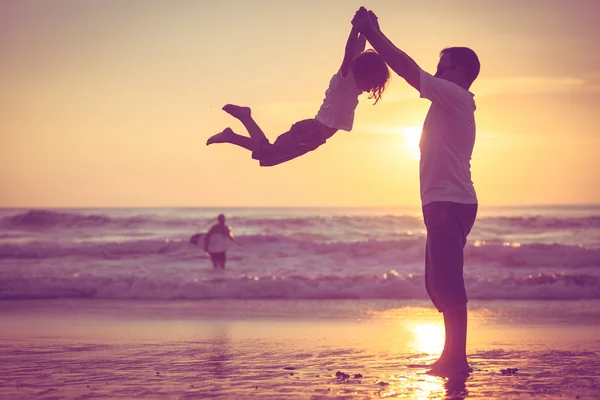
<point x="362" y="83"/>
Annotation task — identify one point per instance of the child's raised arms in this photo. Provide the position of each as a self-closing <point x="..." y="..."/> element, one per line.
<point x="355" y="45"/>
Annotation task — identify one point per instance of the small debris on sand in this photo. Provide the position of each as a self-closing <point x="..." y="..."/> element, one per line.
<point x="509" y="371"/>
<point x="341" y="375"/>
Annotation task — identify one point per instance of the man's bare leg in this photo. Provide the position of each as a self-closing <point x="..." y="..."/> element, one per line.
<point x="455" y="360"/>
<point x="229" y="136"/>
<point x="244" y="114"/>
<point x="447" y="341"/>
<point x="457" y="316"/>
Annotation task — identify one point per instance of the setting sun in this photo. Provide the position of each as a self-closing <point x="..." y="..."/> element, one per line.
<point x="411" y="138"/>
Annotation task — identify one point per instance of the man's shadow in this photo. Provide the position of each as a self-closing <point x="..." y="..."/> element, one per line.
<point x="456" y="387"/>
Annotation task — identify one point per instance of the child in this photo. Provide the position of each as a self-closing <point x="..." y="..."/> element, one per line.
<point x="361" y="71"/>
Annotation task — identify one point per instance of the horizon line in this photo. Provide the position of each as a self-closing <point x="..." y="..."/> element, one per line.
<point x="555" y="205"/>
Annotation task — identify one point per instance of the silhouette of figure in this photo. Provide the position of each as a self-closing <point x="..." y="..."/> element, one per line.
<point x="447" y="192"/>
<point x="218" y="257"/>
<point x="361" y="71"/>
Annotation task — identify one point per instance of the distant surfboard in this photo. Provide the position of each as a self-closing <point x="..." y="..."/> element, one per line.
<point x="195" y="239"/>
<point x="217" y="243"/>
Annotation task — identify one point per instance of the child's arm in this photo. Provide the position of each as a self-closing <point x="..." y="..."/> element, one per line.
<point x="354" y="46"/>
<point x="359" y="47"/>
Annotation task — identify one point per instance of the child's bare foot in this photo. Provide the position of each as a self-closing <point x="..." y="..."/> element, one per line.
<point x="221" y="137"/>
<point x="238" y="112"/>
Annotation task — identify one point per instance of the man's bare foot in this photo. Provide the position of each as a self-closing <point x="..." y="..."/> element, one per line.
<point x="437" y="362"/>
<point x="442" y="359"/>
<point x="221" y="137"/>
<point x="446" y="368"/>
<point x="238" y="112"/>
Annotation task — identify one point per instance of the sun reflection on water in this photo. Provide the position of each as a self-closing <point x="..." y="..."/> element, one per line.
<point x="428" y="338"/>
<point x="430" y="387"/>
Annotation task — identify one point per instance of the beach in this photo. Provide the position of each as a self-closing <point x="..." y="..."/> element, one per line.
<point x="274" y="349"/>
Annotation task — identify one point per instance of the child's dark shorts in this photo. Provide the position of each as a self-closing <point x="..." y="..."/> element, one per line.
<point x="448" y="225"/>
<point x="303" y="136"/>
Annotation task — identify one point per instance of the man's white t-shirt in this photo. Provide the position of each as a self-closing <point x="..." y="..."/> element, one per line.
<point x="341" y="99"/>
<point x="447" y="142"/>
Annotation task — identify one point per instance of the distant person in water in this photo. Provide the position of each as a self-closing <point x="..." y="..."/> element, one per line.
<point x="447" y="192"/>
<point x="361" y="71"/>
<point x="217" y="249"/>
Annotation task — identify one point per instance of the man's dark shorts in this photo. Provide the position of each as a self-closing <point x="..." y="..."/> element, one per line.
<point x="303" y="136"/>
<point x="448" y="225"/>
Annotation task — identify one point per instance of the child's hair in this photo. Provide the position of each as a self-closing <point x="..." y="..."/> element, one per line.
<point x="370" y="68"/>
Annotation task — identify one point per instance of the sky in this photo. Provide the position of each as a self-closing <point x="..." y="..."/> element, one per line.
<point x="109" y="103"/>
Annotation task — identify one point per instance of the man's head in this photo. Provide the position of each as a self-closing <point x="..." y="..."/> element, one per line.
<point x="459" y="65"/>
<point x="221" y="218"/>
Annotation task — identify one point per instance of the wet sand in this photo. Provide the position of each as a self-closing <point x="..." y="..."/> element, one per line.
<point x="238" y="349"/>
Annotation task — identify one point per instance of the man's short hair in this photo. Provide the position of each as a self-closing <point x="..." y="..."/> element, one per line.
<point x="467" y="58"/>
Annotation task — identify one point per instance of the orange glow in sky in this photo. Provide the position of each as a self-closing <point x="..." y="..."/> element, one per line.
<point x="110" y="103"/>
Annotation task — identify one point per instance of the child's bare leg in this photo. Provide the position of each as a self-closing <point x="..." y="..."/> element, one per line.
<point x="244" y="114"/>
<point x="229" y="136"/>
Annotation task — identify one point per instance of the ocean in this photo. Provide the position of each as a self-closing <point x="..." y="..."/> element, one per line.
<point x="513" y="253"/>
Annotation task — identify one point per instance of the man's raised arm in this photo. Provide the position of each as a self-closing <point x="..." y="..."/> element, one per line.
<point x="366" y="22"/>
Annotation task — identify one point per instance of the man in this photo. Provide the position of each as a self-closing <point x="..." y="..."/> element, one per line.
<point x="217" y="241"/>
<point x="447" y="193"/>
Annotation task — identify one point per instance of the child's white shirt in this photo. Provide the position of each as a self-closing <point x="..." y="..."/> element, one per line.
<point x="341" y="99"/>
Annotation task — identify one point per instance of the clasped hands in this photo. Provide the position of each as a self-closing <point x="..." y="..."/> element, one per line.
<point x="364" y="20"/>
